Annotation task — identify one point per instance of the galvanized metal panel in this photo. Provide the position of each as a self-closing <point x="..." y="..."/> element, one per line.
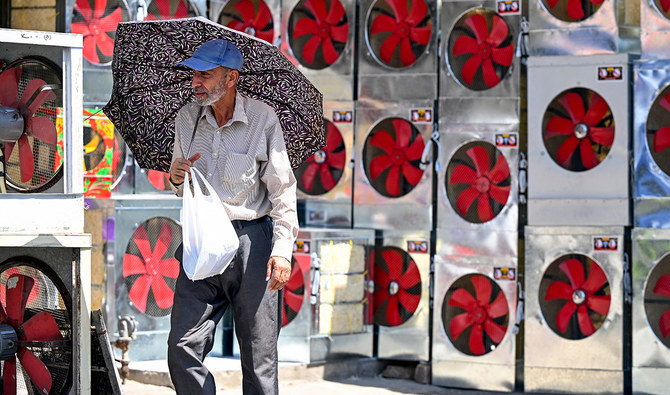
<point x="654" y="32"/>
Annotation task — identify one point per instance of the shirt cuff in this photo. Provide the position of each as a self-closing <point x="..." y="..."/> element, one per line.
<point x="283" y="248"/>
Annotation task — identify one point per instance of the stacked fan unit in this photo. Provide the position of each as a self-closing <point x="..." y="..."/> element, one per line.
<point x="654" y="29"/>
<point x="318" y="36"/>
<point x="326" y="300"/>
<point x="397" y="56"/>
<point x="44" y="254"/>
<point x="392" y="187"/>
<point x="325" y="179"/>
<point x="259" y="18"/>
<point x="400" y="269"/>
<point x="570" y="27"/>
<point x="574" y="309"/>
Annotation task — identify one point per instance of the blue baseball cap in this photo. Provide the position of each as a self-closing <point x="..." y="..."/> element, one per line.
<point x="215" y="53"/>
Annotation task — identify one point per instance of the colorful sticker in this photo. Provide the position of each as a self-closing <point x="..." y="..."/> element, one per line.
<point x="605" y="243"/>
<point x="504" y="273"/>
<point x="506" y="140"/>
<point x="610" y="73"/>
<point x="421" y="115"/>
<point x="343" y="116"/>
<point x="301" y="247"/>
<point x="509" y="7"/>
<point x="420" y="246"/>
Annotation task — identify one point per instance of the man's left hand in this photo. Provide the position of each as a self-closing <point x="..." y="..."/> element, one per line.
<point x="282" y="272"/>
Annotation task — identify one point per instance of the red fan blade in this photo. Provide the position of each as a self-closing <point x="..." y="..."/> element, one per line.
<point x="388" y="47"/>
<point x="163" y="294"/>
<point x="379" y="164"/>
<point x="399" y="8"/>
<point x="133" y="264"/>
<point x="566" y="150"/>
<point x="393" y="181"/>
<point x="337" y="159"/>
<point x="575" y="272"/>
<point x="99" y="8"/>
<point x="293" y="300"/>
<point x="84" y="8"/>
<point x="552" y="3"/>
<point x="309" y="175"/>
<point x="32" y="86"/>
<point x="463" y="174"/>
<point x="336" y="12"/>
<point x="420" y="35"/>
<point x="482" y="289"/>
<point x="168" y="267"/>
<point x="662" y="139"/>
<point x="182" y="10"/>
<point x="584" y="321"/>
<point x="465" y="199"/>
<point x="382" y="277"/>
<point x="246" y="10"/>
<point x="460" y="323"/>
<point x="410" y="278"/>
<point x="417" y="12"/>
<point x="9" y="377"/>
<point x="9" y="87"/>
<point x="41" y="327"/>
<point x="340" y="33"/>
<point x="139" y="292"/>
<point x="574" y="105"/>
<point x="409" y="301"/>
<point x="142" y="241"/>
<point x="480" y="158"/>
<point x="662" y="286"/>
<point x="491" y="78"/>
<point x="305" y="26"/>
<point x="37" y="371"/>
<point x="476" y="341"/>
<point x="503" y="56"/>
<point x="496" y="332"/>
<point x="559" y="290"/>
<point x="589" y="158"/>
<point x="500" y="170"/>
<point x="575" y="10"/>
<point x="563" y="316"/>
<point x="264" y="16"/>
<point x="558" y="126"/>
<point x="599" y="303"/>
<point x="484" y="209"/>
<point x="394" y="263"/>
<point x="411" y="173"/>
<point x="499" y="32"/>
<point x="664" y="323"/>
<point x="163" y="8"/>
<point x="18" y="290"/>
<point x="499" y="194"/>
<point x="318" y="9"/>
<point x="393" y="312"/>
<point x="465" y="44"/>
<point x="266" y="35"/>
<point x="382" y="139"/>
<point x="596" y="111"/>
<point x="327" y="179"/>
<point x="309" y="50"/>
<point x="479" y="27"/>
<point x="406" y="54"/>
<point x="295" y="280"/>
<point x="414" y="151"/>
<point x="665" y="101"/>
<point x="42" y="129"/>
<point x="383" y="23"/>
<point x="380" y="296"/>
<point x="90" y="51"/>
<point x="595" y="280"/>
<point x="470" y="68"/>
<point x="104" y="42"/>
<point x="162" y="243"/>
<point x="498" y="307"/>
<point x="462" y="298"/>
<point x="26" y="159"/>
<point x="156" y="178"/>
<point x="330" y="54"/>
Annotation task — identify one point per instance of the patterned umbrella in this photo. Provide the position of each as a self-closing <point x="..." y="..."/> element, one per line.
<point x="149" y="89"/>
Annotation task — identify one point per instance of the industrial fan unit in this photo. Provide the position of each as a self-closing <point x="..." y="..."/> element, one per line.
<point x="318" y="36"/>
<point x="326" y="300"/>
<point x="651" y="303"/>
<point x="143" y="270"/>
<point x="401" y="298"/>
<point x="474" y="316"/>
<point x="398" y="49"/>
<point x="325" y="180"/>
<point x="392" y="186"/>
<point x="574" y="309"/>
<point x="571" y="27"/>
<point x="259" y="18"/>
<point x="654" y="29"/>
<point x="579" y="140"/>
<point x="651" y="178"/>
<point x="479" y="64"/>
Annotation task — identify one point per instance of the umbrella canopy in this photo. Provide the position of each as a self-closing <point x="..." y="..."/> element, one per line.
<point x="149" y="89"/>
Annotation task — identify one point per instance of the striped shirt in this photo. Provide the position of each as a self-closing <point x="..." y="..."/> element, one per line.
<point x="246" y="162"/>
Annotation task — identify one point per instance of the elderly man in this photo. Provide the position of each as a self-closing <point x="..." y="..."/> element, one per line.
<point x="238" y="144"/>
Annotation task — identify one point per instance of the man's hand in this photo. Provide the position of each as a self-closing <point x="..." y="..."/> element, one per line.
<point x="179" y="168"/>
<point x="282" y="272"/>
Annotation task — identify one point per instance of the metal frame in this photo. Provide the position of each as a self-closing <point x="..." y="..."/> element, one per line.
<point x="654" y="32"/>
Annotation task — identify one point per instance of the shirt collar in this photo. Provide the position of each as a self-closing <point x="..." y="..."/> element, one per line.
<point x="239" y="114"/>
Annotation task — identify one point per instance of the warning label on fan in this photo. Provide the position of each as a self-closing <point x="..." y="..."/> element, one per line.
<point x="605" y="243"/>
<point x="420" y="246"/>
<point x="506" y="140"/>
<point x="509" y="7"/>
<point x="421" y="115"/>
<point x="504" y="273"/>
<point x="610" y="73"/>
<point x="343" y="116"/>
<point x="301" y="247"/>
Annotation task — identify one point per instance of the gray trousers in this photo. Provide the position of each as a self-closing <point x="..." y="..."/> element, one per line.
<point x="199" y="305"/>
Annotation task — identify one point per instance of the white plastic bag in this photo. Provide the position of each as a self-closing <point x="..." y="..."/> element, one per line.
<point x="210" y="241"/>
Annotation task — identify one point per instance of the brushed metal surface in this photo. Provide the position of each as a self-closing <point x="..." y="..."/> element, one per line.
<point x="654" y="32"/>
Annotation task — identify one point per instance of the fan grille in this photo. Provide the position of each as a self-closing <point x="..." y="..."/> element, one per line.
<point x="397" y="286"/>
<point x="322" y="171"/>
<point x="658" y="130"/>
<point x="475" y="314"/>
<point x="657" y="300"/>
<point x="150" y="268"/>
<point x="96" y="20"/>
<point x="250" y="16"/>
<point x="572" y="10"/>
<point x="574" y="296"/>
<point x="578" y="129"/>
<point x="51" y="297"/>
<point x="481" y="49"/>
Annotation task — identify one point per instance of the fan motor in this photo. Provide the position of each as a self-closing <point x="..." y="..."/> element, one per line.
<point x="8" y="341"/>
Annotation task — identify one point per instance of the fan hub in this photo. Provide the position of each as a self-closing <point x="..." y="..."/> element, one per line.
<point x="394" y="287"/>
<point x="398" y="157"/>
<point x="151" y="268"/>
<point x="8" y="342"/>
<point x="479" y="315"/>
<point x="483" y="184"/>
<point x="94" y="27"/>
<point x="250" y="30"/>
<point x="403" y="29"/>
<point x="484" y="51"/>
<point x="581" y="130"/>
<point x="324" y="30"/>
<point x="320" y="156"/>
<point x="579" y="296"/>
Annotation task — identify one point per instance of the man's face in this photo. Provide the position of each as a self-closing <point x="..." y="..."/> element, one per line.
<point x="209" y="85"/>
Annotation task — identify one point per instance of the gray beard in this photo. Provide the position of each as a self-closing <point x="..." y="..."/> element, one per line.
<point x="217" y="93"/>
